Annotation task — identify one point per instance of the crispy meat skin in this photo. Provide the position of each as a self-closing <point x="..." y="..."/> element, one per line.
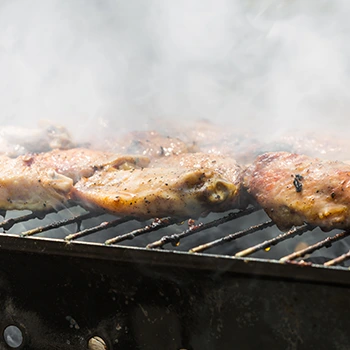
<point x="157" y="192"/>
<point x="224" y="166"/>
<point x="294" y="189"/>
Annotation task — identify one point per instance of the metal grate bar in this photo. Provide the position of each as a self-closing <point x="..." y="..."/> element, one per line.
<point x="175" y="238"/>
<point x="75" y="219"/>
<point x="100" y="227"/>
<point x="338" y="260"/>
<point x="157" y="224"/>
<point x="324" y="243"/>
<point x="232" y="237"/>
<point x="8" y="223"/>
<point x="280" y="238"/>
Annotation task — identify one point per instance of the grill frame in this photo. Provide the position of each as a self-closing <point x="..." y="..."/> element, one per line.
<point x="198" y="261"/>
<point x="155" y="253"/>
<point x="144" y="301"/>
<point x="111" y="291"/>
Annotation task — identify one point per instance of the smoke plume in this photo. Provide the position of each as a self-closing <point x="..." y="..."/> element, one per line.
<point x="113" y="65"/>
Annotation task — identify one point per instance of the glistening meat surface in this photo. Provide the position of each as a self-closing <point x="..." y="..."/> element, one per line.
<point x="294" y="189"/>
<point x="23" y="186"/>
<point x="43" y="181"/>
<point x="157" y="192"/>
<point x="222" y="165"/>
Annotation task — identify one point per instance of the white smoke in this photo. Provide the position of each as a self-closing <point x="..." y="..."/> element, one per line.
<point x="109" y="65"/>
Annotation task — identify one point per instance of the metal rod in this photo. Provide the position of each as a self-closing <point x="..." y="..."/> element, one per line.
<point x="157" y="224"/>
<point x="175" y="238"/>
<point x="8" y="223"/>
<point x="338" y="260"/>
<point x="232" y="236"/>
<point x="100" y="227"/>
<point x="282" y="237"/>
<point x="57" y="224"/>
<point x="324" y="243"/>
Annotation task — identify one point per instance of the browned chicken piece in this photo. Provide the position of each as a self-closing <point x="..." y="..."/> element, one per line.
<point x="157" y="192"/>
<point x="295" y="189"/>
<point x="23" y="186"/>
<point x="81" y="162"/>
<point x="224" y="166"/>
<point x="43" y="181"/>
<point x="151" y="144"/>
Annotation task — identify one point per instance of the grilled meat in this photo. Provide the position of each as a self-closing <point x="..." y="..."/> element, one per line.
<point x="42" y="181"/>
<point x="81" y="162"/>
<point x="23" y="186"/>
<point x="295" y="189"/>
<point x="157" y="192"/>
<point x="224" y="166"/>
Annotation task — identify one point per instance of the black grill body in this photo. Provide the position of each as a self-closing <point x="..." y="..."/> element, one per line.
<point x="61" y="293"/>
<point x="135" y="301"/>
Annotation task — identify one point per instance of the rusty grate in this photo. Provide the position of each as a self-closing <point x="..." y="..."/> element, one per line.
<point x="235" y="234"/>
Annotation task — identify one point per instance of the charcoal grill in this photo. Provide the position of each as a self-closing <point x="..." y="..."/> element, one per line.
<point x="75" y="279"/>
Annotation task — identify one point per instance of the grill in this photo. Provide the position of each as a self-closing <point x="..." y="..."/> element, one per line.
<point x="12" y="228"/>
<point x="79" y="279"/>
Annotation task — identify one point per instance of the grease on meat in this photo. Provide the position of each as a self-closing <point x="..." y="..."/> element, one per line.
<point x="295" y="189"/>
<point x="39" y="182"/>
<point x="222" y="165"/>
<point x="157" y="192"/>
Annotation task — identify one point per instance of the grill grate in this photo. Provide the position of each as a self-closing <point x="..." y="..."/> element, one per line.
<point x="231" y="237"/>
<point x="280" y="238"/>
<point x="175" y="239"/>
<point x="197" y="236"/>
